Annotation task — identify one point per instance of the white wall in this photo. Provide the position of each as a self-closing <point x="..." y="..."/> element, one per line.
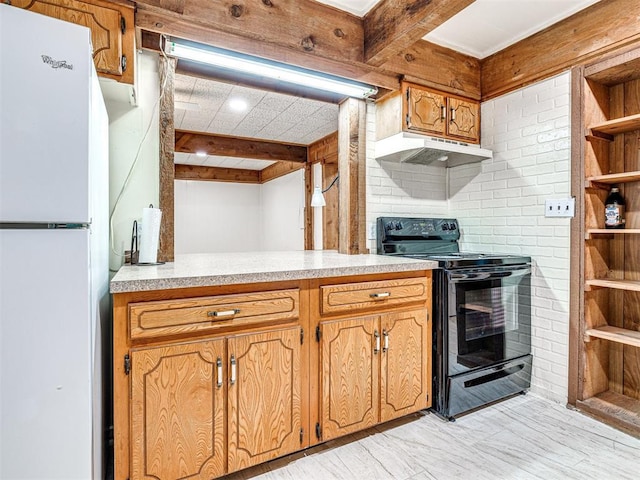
<point x="400" y="189"/>
<point x="233" y="217"/>
<point x="127" y="128"/>
<point x="216" y="217"/>
<point x="282" y="201"/>
<point x="500" y="206"/>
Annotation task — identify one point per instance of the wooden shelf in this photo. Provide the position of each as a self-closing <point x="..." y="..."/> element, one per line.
<point x="615" y="178"/>
<point x="633" y="285"/>
<point x="615" y="409"/>
<point x="616" y="334"/>
<point x="613" y="231"/>
<point x="618" y="125"/>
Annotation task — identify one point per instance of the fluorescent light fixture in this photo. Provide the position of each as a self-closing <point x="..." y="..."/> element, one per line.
<point x="201" y="154"/>
<point x="317" y="199"/>
<point x="248" y="64"/>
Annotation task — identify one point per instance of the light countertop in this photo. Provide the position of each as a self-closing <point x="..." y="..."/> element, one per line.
<point x="202" y="270"/>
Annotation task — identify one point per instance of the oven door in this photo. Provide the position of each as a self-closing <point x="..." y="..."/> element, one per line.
<point x="489" y="316"/>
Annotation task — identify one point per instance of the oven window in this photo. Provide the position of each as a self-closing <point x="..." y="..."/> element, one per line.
<point x="492" y="320"/>
<point x="489" y="310"/>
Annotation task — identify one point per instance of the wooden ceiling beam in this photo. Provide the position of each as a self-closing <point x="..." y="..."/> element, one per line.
<point x="303" y="33"/>
<point x="216" y="174"/>
<point x="395" y="25"/>
<point x="584" y="37"/>
<point x="279" y="169"/>
<point x="230" y="146"/>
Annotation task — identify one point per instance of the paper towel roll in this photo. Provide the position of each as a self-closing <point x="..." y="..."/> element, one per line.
<point x="150" y="235"/>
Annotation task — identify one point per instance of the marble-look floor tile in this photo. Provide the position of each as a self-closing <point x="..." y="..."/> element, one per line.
<point x="521" y="438"/>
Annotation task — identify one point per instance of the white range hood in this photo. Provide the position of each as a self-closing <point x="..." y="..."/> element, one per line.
<point x="425" y="150"/>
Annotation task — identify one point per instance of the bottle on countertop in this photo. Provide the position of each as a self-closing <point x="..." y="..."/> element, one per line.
<point x="614" y="210"/>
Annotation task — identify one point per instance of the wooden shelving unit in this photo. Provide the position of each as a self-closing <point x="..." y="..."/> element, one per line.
<point x="605" y="302"/>
<point x="616" y="334"/>
<point x="618" y="125"/>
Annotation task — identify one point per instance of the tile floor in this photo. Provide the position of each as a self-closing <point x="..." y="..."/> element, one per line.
<point x="524" y="437"/>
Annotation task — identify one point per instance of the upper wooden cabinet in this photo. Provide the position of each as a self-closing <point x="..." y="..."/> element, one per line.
<point x="420" y="109"/>
<point x="441" y="114"/>
<point x="112" y="31"/>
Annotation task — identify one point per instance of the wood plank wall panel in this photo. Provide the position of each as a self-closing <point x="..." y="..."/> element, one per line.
<point x="352" y="168"/>
<point x="325" y="151"/>
<point x="439" y="67"/>
<point x="393" y="25"/>
<point x="576" y="300"/>
<point x="631" y="252"/>
<point x="616" y="249"/>
<point x="167" y="68"/>
<point x="589" y="34"/>
<point x="279" y="169"/>
<point x="331" y="210"/>
<point x="260" y="42"/>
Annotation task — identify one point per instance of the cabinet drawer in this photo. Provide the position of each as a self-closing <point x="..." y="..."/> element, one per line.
<point x="173" y="317"/>
<point x="353" y="296"/>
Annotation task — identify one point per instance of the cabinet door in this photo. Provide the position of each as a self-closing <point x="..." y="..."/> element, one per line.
<point x="426" y="111"/>
<point x="177" y="412"/>
<point x="464" y="119"/>
<point x="405" y="374"/>
<point x="103" y="19"/>
<point x="350" y="375"/>
<point x="264" y="396"/>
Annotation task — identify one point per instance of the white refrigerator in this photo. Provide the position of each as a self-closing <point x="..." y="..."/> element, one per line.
<point x="54" y="300"/>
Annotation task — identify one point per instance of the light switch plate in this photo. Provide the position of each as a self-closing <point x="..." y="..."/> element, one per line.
<point x="371" y="230"/>
<point x="564" y="207"/>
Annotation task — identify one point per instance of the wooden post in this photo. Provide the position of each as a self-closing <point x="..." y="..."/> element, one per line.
<point x="308" y="209"/>
<point x="352" y="169"/>
<point x="167" y="70"/>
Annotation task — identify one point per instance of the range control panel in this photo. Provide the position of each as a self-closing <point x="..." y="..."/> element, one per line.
<point x="420" y="228"/>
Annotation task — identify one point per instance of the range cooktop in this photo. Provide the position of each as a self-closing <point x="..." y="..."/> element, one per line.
<point x="434" y="239"/>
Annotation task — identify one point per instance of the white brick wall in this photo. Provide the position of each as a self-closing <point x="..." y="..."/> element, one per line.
<point x="401" y="190"/>
<point x="500" y="205"/>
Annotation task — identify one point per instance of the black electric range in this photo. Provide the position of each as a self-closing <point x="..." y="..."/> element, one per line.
<point x="481" y="311"/>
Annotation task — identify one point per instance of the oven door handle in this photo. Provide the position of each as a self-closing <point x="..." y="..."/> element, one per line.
<point x="499" y="373"/>
<point x="477" y="275"/>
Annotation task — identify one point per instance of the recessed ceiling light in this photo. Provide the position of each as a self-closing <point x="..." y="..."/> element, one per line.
<point x="201" y="154"/>
<point x="238" y="104"/>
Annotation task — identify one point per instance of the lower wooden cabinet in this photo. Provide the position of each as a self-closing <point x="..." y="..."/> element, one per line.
<point x="264" y="404"/>
<point x="178" y="411"/>
<point x="197" y="405"/>
<point x="198" y="397"/>
<point x="373" y="369"/>
<point x="350" y="366"/>
<point x="405" y="371"/>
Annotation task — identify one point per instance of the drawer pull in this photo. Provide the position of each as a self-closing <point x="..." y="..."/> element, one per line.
<point x="443" y="112"/>
<point x="380" y="295"/>
<point x="224" y="313"/>
<point x="376" y="349"/>
<point x="219" y="367"/>
<point x="232" y="379"/>
<point x="385" y="334"/>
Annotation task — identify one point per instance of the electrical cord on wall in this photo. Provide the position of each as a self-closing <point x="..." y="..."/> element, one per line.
<point x="127" y="179"/>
